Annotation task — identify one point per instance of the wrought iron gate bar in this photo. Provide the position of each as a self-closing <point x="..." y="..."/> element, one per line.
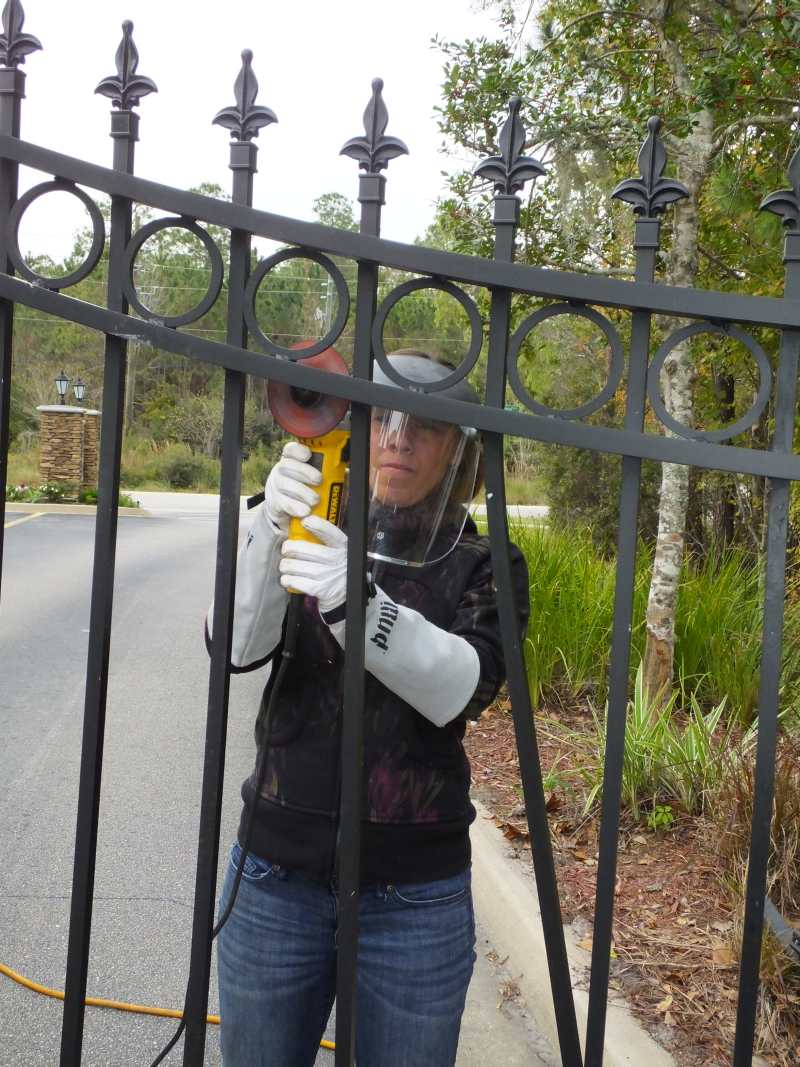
<point x="512" y="423"/>
<point x="12" y="90"/>
<point x="246" y="120"/>
<point x="770" y="673"/>
<point x="508" y="173"/>
<point x="371" y="197"/>
<point x="661" y="299"/>
<point x="646" y="242"/>
<point x="125" y="133"/>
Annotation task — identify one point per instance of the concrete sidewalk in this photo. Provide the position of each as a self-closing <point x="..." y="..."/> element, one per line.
<point x="507" y="904"/>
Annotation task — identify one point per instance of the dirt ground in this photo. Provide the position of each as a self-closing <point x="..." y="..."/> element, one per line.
<point x="675" y="937"/>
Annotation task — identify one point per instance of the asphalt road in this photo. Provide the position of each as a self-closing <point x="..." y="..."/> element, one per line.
<point x="150" y="797"/>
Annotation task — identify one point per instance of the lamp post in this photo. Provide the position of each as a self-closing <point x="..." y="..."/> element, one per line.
<point x="79" y="388"/>
<point x="62" y="382"/>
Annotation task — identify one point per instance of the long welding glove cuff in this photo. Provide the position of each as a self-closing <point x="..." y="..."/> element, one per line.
<point x="260" y="601"/>
<point x="434" y="671"/>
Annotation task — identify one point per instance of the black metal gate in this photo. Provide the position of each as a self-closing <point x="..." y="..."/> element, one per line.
<point x="713" y="312"/>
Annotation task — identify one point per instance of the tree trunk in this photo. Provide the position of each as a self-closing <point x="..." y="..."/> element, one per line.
<point x="676" y="385"/>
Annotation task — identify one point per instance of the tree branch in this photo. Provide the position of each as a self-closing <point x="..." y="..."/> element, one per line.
<point x="723" y="132"/>
<point x="590" y="15"/>
<point x="627" y="51"/>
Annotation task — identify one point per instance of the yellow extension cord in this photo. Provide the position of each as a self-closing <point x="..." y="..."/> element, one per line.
<point x="116" y="1005"/>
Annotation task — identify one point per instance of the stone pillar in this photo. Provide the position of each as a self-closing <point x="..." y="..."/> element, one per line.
<point x="68" y="445"/>
<point x="91" y="448"/>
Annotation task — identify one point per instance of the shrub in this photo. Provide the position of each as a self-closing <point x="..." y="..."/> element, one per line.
<point x="667" y="756"/>
<point x="185" y="472"/>
<point x="146" y="464"/>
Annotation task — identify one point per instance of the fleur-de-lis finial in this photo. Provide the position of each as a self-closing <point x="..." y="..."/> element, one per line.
<point x="14" y="44"/>
<point x="126" y="88"/>
<point x="244" y="119"/>
<point x="510" y="170"/>
<point x="785" y="203"/>
<point x="651" y="194"/>
<point x="374" y="151"/>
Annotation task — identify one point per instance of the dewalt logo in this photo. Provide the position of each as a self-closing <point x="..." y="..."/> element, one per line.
<point x="334" y="503"/>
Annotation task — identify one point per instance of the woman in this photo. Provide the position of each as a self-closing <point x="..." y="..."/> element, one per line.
<point x="433" y="658"/>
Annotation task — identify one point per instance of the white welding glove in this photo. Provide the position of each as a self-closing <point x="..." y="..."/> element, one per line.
<point x="260" y="599"/>
<point x="317" y="568"/>
<point x="434" y="671"/>
<point x="288" y="493"/>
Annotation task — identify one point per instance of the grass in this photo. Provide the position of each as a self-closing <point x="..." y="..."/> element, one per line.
<point x="23" y="467"/>
<point x="718" y="624"/>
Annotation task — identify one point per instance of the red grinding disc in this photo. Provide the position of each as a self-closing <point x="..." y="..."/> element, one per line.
<point x="303" y="412"/>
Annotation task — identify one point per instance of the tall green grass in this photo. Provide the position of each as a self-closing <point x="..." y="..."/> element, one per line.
<point x="718" y="625"/>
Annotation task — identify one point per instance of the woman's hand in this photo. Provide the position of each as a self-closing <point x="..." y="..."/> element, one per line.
<point x="317" y="568"/>
<point x="288" y="493"/>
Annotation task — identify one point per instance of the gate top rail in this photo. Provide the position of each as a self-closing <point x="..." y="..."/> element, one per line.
<point x="717" y="307"/>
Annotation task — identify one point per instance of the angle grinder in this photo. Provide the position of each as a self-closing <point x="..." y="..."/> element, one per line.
<point x="316" y="420"/>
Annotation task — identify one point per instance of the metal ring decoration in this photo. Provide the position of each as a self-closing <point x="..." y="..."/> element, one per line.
<point x="98" y="234"/>
<point x="342" y="295"/>
<point x="614" y="371"/>
<point x="215" y="262"/>
<point x="476" y="333"/>
<point x="733" y="428"/>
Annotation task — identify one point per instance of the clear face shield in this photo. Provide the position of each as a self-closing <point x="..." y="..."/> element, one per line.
<point x="423" y="476"/>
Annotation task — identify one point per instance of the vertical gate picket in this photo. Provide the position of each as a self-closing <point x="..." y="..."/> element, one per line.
<point x="786" y="204"/>
<point x="125" y="93"/>
<point x="509" y="172"/>
<point x="373" y="152"/>
<point x="14" y="46"/>
<point x="647" y="204"/>
<point x="243" y="154"/>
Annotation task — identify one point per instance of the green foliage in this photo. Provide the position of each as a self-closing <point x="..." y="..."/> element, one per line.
<point x="583" y="489"/>
<point x="154" y="465"/>
<point x="59" y="493"/>
<point x="718" y="625"/>
<point x="186" y="471"/>
<point x="722" y="79"/>
<point x="661" y="818"/>
<point x="334" y="209"/>
<point x="21" y="418"/>
<point x="665" y="757"/>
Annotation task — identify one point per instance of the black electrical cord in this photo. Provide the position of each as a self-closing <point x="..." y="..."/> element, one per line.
<point x="287" y="654"/>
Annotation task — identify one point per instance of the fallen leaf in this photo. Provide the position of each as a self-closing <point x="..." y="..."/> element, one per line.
<point x="665" y="1004"/>
<point x="723" y="956"/>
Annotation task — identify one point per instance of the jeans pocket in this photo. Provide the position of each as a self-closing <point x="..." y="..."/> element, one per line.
<point x="255" y="869"/>
<point x="442" y="891"/>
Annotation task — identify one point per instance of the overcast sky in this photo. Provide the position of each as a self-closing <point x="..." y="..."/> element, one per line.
<point x="314" y="61"/>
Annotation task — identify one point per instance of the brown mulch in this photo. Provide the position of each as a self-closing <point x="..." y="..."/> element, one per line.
<point x="675" y="938"/>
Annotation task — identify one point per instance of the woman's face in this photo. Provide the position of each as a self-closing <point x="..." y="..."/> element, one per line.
<point x="408" y="456"/>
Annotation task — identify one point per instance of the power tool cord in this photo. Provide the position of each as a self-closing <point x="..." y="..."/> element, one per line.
<point x="287" y="654"/>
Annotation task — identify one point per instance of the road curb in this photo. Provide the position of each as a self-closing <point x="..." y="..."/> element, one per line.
<point x="72" y="509"/>
<point x="507" y="903"/>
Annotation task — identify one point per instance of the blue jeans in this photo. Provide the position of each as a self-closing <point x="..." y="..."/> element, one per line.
<point x="277" y="969"/>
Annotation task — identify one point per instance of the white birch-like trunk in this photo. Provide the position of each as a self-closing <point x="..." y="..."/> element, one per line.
<point x="676" y="385"/>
